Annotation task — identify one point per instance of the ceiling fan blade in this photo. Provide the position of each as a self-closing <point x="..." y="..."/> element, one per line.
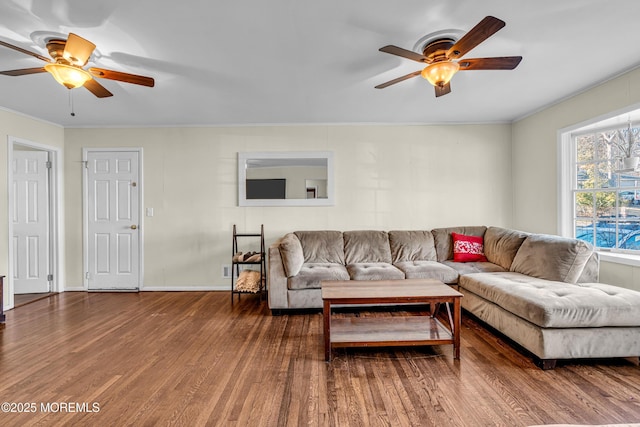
<point x="496" y="63"/>
<point x="399" y="79"/>
<point x="27" y="52"/>
<point x="122" y="77"/>
<point x="77" y="50"/>
<point x="97" y="89"/>
<point x="443" y="90"/>
<point x="482" y="31"/>
<point x="23" y="71"/>
<point x="395" y="50"/>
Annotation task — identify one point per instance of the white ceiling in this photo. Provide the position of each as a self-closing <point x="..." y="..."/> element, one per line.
<point x="309" y="61"/>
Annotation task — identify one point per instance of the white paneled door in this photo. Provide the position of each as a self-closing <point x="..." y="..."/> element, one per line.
<point x="30" y="218"/>
<point x="113" y="215"/>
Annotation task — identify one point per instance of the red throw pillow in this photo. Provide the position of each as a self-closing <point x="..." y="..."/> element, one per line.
<point x="468" y="248"/>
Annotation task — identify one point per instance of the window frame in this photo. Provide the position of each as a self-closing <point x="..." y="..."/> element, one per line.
<point x="567" y="180"/>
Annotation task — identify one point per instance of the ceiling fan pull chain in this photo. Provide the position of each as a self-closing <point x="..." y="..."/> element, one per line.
<point x="73" y="113"/>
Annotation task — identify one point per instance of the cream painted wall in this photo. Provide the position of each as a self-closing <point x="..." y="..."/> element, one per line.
<point x="28" y="129"/>
<point x="387" y="177"/>
<point x="535" y="159"/>
<point x="403" y="177"/>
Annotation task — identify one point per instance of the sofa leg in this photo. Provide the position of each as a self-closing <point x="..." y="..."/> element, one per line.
<point x="546" y="364"/>
<point x="276" y="312"/>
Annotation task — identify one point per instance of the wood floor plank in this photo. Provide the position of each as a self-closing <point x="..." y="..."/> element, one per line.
<point x="193" y="359"/>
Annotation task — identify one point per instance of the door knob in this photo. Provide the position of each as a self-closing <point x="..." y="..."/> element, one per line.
<point x="134" y="227"/>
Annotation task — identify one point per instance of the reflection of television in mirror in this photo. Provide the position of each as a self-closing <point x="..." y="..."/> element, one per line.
<point x="266" y="188"/>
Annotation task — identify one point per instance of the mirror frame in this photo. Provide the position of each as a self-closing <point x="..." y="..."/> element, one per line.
<point x="243" y="157"/>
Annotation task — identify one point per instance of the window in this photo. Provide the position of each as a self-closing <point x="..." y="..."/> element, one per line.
<point x="605" y="185"/>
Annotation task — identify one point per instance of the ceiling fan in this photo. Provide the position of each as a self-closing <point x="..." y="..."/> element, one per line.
<point x="443" y="57"/>
<point x="69" y="56"/>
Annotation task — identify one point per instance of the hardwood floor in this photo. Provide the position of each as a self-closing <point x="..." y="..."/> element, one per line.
<point x="22" y="299"/>
<point x="192" y="359"/>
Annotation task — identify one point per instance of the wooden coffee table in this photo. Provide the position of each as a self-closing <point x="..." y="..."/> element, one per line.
<point x="389" y="331"/>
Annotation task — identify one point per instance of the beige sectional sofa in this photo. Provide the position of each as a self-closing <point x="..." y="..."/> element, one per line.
<point x="541" y="291"/>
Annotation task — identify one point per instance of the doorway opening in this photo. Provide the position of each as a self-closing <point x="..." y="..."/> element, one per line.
<point x="34" y="247"/>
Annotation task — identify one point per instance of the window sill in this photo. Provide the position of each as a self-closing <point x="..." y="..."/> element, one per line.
<point x="620" y="258"/>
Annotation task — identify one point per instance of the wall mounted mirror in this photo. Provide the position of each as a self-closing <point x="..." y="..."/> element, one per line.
<point x="285" y="178"/>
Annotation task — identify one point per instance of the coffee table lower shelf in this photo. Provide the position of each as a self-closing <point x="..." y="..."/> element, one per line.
<point x="388" y="331"/>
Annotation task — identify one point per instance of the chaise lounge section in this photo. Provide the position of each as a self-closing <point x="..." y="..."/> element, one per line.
<point x="539" y="290"/>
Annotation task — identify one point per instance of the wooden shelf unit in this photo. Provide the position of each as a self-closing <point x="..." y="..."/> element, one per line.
<point x="235" y="265"/>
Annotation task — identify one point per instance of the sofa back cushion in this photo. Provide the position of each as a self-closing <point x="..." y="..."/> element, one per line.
<point x="552" y="257"/>
<point x="444" y="242"/>
<point x="412" y="246"/>
<point x="291" y="253"/>
<point x="322" y="246"/>
<point x="501" y="245"/>
<point x="366" y="246"/>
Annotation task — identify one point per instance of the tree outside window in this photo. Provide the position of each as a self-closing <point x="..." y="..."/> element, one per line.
<point x="607" y="188"/>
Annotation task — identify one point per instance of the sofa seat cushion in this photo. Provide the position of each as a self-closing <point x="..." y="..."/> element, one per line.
<point x="551" y="304"/>
<point x="374" y="271"/>
<point x="311" y="274"/>
<point x="428" y="270"/>
<point x="474" y="267"/>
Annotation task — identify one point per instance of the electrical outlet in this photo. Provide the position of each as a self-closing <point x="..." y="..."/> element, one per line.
<point x="226" y="271"/>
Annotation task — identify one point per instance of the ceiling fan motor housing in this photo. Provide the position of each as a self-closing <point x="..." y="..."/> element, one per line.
<point x="56" y="50"/>
<point x="436" y="50"/>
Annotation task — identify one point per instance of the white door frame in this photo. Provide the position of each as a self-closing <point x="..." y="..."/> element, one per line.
<point x="85" y="212"/>
<point x="56" y="246"/>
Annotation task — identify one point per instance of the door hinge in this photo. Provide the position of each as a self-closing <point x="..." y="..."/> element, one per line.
<point x="49" y="165"/>
<point x="50" y="277"/>
<point x="87" y="275"/>
<point x="86" y="164"/>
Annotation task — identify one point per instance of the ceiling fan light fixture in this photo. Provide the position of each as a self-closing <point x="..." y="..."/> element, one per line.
<point x="440" y="73"/>
<point x="67" y="75"/>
